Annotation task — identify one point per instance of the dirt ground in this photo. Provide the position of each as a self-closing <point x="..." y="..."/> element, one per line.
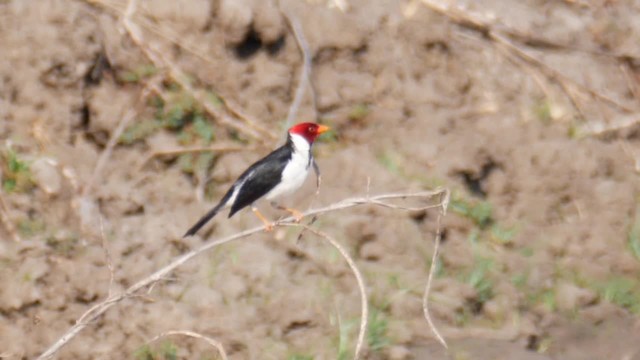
<point x="527" y="116"/>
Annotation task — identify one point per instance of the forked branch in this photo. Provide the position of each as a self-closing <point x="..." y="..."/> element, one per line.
<point x="99" y="309"/>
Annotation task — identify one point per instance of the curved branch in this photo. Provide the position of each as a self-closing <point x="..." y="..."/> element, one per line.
<point x="99" y="309"/>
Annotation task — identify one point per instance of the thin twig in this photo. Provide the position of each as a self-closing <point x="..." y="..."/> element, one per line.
<point x="305" y="75"/>
<point x="113" y="141"/>
<point x="364" y="316"/>
<point x="107" y="255"/>
<point x="99" y="309"/>
<point x="251" y="127"/>
<point x="432" y="270"/>
<point x="504" y="35"/>
<point x="216" y="344"/>
<point x="6" y="220"/>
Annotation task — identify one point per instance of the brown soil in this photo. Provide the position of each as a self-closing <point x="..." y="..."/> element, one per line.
<point x="536" y="259"/>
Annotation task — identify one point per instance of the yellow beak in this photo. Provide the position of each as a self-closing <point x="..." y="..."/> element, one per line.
<point x="323" y="129"/>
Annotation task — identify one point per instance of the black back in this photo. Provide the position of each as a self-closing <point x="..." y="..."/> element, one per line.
<point x="261" y="177"/>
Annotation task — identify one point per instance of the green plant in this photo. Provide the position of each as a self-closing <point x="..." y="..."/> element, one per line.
<point x="377" y="327"/>
<point x="391" y="161"/>
<point x="480" y="212"/>
<point x="343" y="339"/>
<point x="503" y="235"/>
<point x="480" y="280"/>
<point x="167" y="351"/>
<point x="543" y="111"/>
<point x="622" y="291"/>
<point x="137" y="74"/>
<point x="633" y="238"/>
<point x="16" y="176"/>
<point x="359" y="112"/>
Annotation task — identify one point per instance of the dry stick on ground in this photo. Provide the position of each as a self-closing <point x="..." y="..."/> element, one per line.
<point x="361" y="287"/>
<point x="108" y="258"/>
<point x="6" y="220"/>
<point x="502" y="35"/>
<point x="432" y="269"/>
<point x="252" y="129"/>
<point x="99" y="309"/>
<point x="113" y="141"/>
<point x="208" y="340"/>
<point x="305" y="75"/>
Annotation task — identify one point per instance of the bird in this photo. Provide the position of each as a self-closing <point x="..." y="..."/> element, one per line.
<point x="279" y="173"/>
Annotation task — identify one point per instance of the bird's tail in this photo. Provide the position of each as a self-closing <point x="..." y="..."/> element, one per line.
<point x="203" y="220"/>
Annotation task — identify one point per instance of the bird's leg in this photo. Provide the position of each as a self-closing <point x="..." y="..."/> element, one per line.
<point x="267" y="225"/>
<point x="297" y="215"/>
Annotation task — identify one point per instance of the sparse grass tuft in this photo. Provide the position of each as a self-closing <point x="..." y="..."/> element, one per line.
<point x="343" y="339"/>
<point x="480" y="212"/>
<point x="622" y="291"/>
<point x="377" y="336"/>
<point x="167" y="351"/>
<point x="359" y="112"/>
<point x="16" y="176"/>
<point x="542" y="111"/>
<point x="137" y="74"/>
<point x="633" y="238"/>
<point x="480" y="280"/>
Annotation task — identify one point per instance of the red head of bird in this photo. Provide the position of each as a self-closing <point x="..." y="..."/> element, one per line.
<point x="308" y="130"/>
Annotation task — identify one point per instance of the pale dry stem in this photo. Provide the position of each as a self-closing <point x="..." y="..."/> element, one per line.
<point x="6" y="220"/>
<point x="364" y="316"/>
<point x="432" y="269"/>
<point x="112" y="142"/>
<point x="99" y="309"/>
<point x="214" y="343"/>
<point x="305" y="75"/>
<point x="250" y="127"/>
<point x="503" y="35"/>
<point x="108" y="259"/>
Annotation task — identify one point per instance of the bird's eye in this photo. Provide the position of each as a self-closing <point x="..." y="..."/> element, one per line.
<point x="311" y="129"/>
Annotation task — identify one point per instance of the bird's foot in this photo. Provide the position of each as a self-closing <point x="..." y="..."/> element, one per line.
<point x="268" y="226"/>
<point x="297" y="215"/>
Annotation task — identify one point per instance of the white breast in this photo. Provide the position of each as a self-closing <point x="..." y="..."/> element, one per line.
<point x="295" y="173"/>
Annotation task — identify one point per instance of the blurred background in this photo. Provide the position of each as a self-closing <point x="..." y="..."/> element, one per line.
<point x="121" y="123"/>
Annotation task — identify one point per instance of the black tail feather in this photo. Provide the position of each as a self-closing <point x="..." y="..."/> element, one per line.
<point x="203" y="220"/>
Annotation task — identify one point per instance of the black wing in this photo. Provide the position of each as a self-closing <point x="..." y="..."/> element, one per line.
<point x="261" y="177"/>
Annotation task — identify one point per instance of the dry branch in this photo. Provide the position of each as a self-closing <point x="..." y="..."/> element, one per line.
<point x="99" y="309"/>
<point x="250" y="126"/>
<point x="305" y="75"/>
<point x="216" y="344"/>
<point x="361" y="287"/>
<point x="432" y="269"/>
<point x="512" y="39"/>
<point x="6" y="220"/>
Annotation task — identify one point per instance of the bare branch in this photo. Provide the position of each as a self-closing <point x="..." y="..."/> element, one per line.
<point x="510" y="39"/>
<point x="432" y="270"/>
<point x="354" y="268"/>
<point x="216" y="344"/>
<point x="99" y="309"/>
<point x="250" y="128"/>
<point x="6" y="220"/>
<point x="305" y="75"/>
<point x="113" y="141"/>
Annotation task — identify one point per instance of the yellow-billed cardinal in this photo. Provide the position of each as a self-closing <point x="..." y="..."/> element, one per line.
<point x="281" y="172"/>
